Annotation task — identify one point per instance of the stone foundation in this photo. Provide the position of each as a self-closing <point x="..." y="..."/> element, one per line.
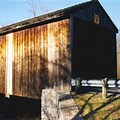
<point x="58" y="106"/>
<point x="49" y="105"/>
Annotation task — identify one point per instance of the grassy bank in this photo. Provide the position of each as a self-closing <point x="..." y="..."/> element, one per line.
<point x="93" y="107"/>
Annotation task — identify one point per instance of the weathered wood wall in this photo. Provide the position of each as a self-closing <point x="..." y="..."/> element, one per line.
<point x="2" y="63"/>
<point x="41" y="58"/>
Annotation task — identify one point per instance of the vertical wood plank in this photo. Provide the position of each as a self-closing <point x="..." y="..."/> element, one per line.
<point x="42" y="58"/>
<point x="1" y="80"/>
<point x="39" y="58"/>
<point x="32" y="62"/>
<point x="16" y="63"/>
<point x="67" y="54"/>
<point x="17" y="70"/>
<point x="57" y="39"/>
<point x="29" y="65"/>
<point x="2" y="63"/>
<point x="29" y="61"/>
<point x="32" y="82"/>
<point x="35" y="62"/>
<point x="68" y="51"/>
<point x="60" y="56"/>
<point x="45" y="54"/>
<point x="49" y="41"/>
<point x="21" y="67"/>
<point x="23" y="57"/>
<point x="20" y="61"/>
<point x="54" y="59"/>
<point x="26" y="62"/>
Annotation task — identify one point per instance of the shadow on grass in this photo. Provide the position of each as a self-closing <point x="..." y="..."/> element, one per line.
<point x="112" y="99"/>
<point x="111" y="113"/>
<point x="83" y="107"/>
<point x="92" y="112"/>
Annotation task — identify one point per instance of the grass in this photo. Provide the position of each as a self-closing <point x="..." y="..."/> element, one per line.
<point x="93" y="107"/>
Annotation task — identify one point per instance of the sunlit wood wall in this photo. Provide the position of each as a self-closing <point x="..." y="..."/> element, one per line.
<point x="2" y="63"/>
<point x="41" y="58"/>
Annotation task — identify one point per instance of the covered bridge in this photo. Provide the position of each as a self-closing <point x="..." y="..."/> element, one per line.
<point x="48" y="50"/>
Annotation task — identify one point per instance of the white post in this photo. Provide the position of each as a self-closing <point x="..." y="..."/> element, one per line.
<point x="8" y="81"/>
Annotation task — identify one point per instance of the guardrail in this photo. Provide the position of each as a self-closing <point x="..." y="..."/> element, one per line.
<point x="105" y="84"/>
<point x="98" y="83"/>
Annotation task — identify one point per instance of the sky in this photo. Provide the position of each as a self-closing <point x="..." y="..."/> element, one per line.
<point x="12" y="11"/>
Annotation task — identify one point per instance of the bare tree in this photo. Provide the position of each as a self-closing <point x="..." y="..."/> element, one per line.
<point x="1" y="25"/>
<point x="33" y="7"/>
<point x="37" y="7"/>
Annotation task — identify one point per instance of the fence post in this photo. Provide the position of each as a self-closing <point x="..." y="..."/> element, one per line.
<point x="104" y="87"/>
<point x="78" y="85"/>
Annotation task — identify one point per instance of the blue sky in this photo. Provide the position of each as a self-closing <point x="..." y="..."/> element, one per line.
<point x="12" y="11"/>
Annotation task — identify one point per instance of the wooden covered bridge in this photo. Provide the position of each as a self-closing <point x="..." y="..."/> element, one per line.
<point x="48" y="50"/>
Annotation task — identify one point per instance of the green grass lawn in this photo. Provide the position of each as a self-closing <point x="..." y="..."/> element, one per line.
<point x="93" y="107"/>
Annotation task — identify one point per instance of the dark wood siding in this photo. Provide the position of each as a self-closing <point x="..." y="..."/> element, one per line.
<point x="41" y="58"/>
<point x="87" y="14"/>
<point x="94" y="51"/>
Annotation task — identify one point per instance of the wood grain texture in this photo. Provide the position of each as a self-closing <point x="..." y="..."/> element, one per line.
<point x="41" y="58"/>
<point x="2" y="63"/>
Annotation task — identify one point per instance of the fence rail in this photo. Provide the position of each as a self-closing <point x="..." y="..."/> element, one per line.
<point x="98" y="83"/>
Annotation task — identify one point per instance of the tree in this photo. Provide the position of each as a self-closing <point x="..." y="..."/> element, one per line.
<point x="33" y="7"/>
<point x="1" y="25"/>
<point x="36" y="7"/>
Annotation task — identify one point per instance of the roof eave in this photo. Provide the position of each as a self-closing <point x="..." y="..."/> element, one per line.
<point x="62" y="13"/>
<point x="47" y="18"/>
